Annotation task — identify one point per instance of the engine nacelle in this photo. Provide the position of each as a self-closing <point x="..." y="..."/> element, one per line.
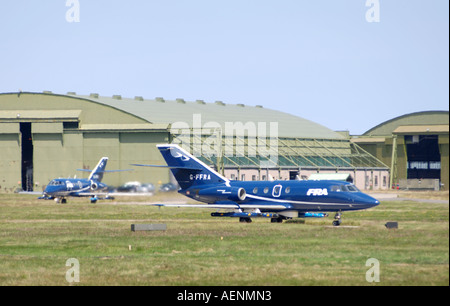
<point x="235" y="194"/>
<point x="94" y="185"/>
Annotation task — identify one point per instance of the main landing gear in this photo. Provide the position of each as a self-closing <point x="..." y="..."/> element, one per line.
<point x="337" y="219"/>
<point x="276" y="220"/>
<point x="60" y="200"/>
<point x="245" y="220"/>
<point x="272" y="220"/>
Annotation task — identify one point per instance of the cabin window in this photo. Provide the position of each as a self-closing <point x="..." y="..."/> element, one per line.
<point x="288" y="189"/>
<point x="266" y="190"/>
<point x="277" y="190"/>
<point x="255" y="190"/>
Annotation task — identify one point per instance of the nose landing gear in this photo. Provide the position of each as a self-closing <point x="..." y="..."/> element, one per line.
<point x="337" y="219"/>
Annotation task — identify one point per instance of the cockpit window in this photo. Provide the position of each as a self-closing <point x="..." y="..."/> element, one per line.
<point x="56" y="183"/>
<point x="335" y="188"/>
<point x="344" y="188"/>
<point x="350" y="188"/>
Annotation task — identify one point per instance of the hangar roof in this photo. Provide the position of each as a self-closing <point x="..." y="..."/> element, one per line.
<point x="426" y="118"/>
<point x="66" y="115"/>
<point x="163" y="111"/>
<point x="300" y="142"/>
<point x="422" y="129"/>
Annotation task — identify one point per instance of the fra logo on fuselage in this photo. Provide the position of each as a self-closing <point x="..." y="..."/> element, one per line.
<point x="317" y="192"/>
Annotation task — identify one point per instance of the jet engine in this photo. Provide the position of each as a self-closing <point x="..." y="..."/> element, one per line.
<point x="94" y="185"/>
<point x="223" y="194"/>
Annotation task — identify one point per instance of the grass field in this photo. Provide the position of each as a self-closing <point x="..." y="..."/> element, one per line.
<point x="38" y="237"/>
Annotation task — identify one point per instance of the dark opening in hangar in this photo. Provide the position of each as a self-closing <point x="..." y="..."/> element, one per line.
<point x="424" y="158"/>
<point x="27" y="156"/>
<point x="293" y="175"/>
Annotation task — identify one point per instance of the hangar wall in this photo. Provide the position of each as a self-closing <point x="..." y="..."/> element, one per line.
<point x="444" y="151"/>
<point x="416" y="146"/>
<point x="10" y="154"/>
<point x="68" y="134"/>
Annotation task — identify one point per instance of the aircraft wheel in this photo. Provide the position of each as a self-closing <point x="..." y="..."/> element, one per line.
<point x="337" y="219"/>
<point x="63" y="201"/>
<point x="245" y="220"/>
<point x="276" y="220"/>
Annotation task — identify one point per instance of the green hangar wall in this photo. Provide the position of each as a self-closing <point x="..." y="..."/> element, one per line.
<point x="45" y="136"/>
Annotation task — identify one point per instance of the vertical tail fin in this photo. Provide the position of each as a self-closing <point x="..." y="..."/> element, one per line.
<point x="187" y="169"/>
<point x="97" y="173"/>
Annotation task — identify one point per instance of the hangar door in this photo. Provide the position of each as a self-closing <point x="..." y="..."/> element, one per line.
<point x="424" y="158"/>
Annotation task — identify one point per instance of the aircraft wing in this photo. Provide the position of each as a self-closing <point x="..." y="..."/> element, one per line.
<point x="222" y="206"/>
<point x="88" y="194"/>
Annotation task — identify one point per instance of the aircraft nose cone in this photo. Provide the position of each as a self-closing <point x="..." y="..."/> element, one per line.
<point x="49" y="189"/>
<point x="372" y="202"/>
<point x="367" y="201"/>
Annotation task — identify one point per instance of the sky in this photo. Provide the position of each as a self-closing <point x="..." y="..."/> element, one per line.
<point x="348" y="64"/>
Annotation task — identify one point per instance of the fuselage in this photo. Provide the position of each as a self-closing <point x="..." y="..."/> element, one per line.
<point x="300" y="196"/>
<point x="72" y="187"/>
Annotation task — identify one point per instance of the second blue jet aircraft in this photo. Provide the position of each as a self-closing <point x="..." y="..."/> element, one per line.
<point x="62" y="188"/>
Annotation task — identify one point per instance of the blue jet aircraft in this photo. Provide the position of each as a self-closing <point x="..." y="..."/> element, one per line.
<point x="277" y="200"/>
<point x="61" y="188"/>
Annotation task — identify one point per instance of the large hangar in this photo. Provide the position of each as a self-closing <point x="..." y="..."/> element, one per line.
<point x="416" y="146"/>
<point x="47" y="135"/>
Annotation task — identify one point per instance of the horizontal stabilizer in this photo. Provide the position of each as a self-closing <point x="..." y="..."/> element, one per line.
<point x="104" y="171"/>
<point x="169" y="167"/>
